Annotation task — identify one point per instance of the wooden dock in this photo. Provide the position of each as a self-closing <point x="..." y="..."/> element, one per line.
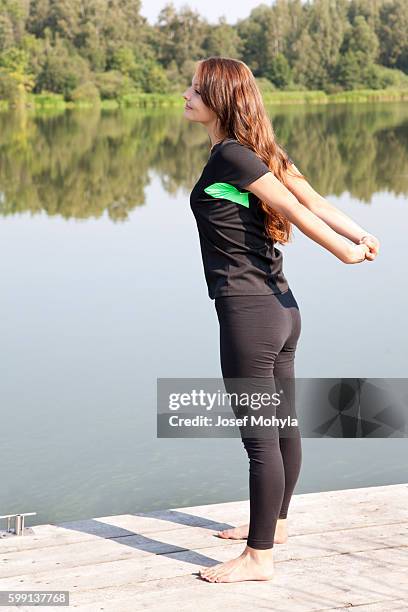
<point x="345" y="549"/>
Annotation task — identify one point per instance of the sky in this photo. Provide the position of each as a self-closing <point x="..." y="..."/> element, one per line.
<point x="210" y="9"/>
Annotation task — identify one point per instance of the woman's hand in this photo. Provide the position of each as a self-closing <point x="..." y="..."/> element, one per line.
<point x="373" y="244"/>
<point x="367" y="248"/>
<point x="357" y="253"/>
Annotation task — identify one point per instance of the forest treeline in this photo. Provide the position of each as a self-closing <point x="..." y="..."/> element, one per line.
<point x="105" y="49"/>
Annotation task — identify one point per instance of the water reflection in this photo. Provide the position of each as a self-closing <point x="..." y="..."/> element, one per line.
<point x="79" y="164"/>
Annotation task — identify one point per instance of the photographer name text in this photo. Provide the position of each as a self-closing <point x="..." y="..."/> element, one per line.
<point x="205" y="421"/>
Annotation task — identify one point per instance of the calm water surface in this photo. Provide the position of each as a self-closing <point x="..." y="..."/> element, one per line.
<point x="103" y="291"/>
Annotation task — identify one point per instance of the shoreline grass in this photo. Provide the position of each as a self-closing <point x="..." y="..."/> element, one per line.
<point x="148" y="100"/>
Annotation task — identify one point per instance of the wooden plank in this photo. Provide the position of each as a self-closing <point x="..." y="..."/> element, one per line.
<point x="194" y="539"/>
<point x="308" y="585"/>
<point x="346" y="548"/>
<point x="362" y="507"/>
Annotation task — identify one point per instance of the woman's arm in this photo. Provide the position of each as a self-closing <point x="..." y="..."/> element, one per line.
<point x="317" y="204"/>
<point x="270" y="190"/>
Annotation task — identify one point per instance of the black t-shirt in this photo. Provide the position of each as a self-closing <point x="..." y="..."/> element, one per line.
<point x="239" y="257"/>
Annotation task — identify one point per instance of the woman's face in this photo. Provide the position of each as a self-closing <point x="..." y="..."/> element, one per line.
<point x="195" y="109"/>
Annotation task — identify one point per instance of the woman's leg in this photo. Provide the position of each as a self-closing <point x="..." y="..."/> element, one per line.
<point x="289" y="439"/>
<point x="258" y="335"/>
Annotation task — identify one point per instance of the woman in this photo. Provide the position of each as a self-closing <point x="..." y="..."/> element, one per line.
<point x="245" y="200"/>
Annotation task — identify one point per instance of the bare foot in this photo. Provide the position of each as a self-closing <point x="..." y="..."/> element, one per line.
<point x="241" y="532"/>
<point x="250" y="565"/>
<point x="235" y="533"/>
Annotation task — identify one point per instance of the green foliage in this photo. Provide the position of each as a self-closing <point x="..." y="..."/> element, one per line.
<point x="278" y="71"/>
<point x="179" y="36"/>
<point x="62" y="69"/>
<point x="176" y="82"/>
<point x="113" y="84"/>
<point x="47" y="99"/>
<point x="14" y="59"/>
<point x="15" y="80"/>
<point x="62" y="46"/>
<point x="9" y="88"/>
<point x="154" y="78"/>
<point x="380" y="77"/>
<point x="265" y="85"/>
<point x="123" y="60"/>
<point x="392" y="77"/>
<point x="349" y="70"/>
<point x="362" y="40"/>
<point x="222" y="39"/>
<point x="393" y="28"/>
<point x="86" y="92"/>
<point x="147" y="75"/>
<point x="6" y="32"/>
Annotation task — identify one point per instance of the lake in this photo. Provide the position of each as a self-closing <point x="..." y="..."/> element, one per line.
<point x="103" y="291"/>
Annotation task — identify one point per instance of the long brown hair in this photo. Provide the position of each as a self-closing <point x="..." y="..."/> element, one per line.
<point x="228" y="87"/>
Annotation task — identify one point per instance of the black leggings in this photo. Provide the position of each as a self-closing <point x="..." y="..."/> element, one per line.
<point x="258" y="337"/>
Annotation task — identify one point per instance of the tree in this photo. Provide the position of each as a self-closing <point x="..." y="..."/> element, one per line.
<point x="313" y="44"/>
<point x="308" y="68"/>
<point x="6" y="32"/>
<point x="154" y="78"/>
<point x="348" y="72"/>
<point x="63" y="70"/>
<point x="16" y="81"/>
<point x="180" y="36"/>
<point x="279" y="71"/>
<point x="393" y="34"/>
<point x="222" y="39"/>
<point x="361" y="39"/>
